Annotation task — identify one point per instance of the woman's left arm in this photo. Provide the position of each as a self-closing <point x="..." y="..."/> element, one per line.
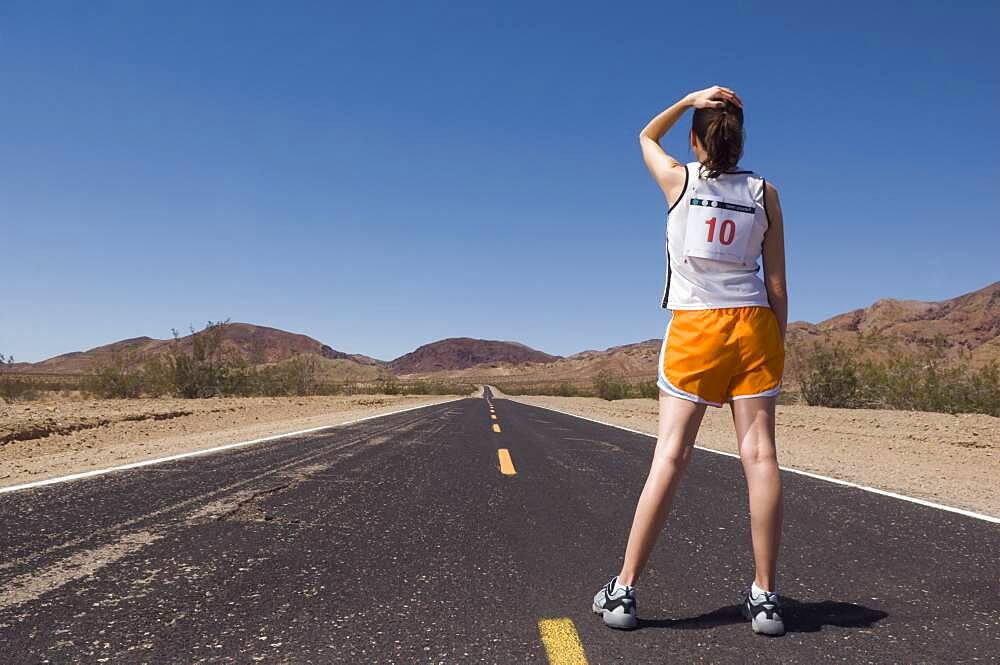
<point x="773" y="252"/>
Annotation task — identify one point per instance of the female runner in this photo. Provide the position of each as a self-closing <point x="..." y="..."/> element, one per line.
<point x="724" y="342"/>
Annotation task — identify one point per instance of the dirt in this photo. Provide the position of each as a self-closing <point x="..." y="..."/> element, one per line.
<point x="58" y="436"/>
<point x="948" y="459"/>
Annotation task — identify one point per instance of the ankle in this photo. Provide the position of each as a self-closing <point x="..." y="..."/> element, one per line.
<point x="624" y="579"/>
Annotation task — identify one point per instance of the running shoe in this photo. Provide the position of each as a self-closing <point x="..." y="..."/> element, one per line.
<point x="764" y="613"/>
<point x="616" y="607"/>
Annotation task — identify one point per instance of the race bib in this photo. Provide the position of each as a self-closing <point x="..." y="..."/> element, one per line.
<point x="720" y="230"/>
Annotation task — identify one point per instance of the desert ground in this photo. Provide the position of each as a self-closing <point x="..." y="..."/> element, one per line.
<point x="57" y="435"/>
<point x="948" y="459"/>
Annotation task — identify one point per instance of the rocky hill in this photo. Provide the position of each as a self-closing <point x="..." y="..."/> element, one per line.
<point x="257" y="345"/>
<point x="636" y="361"/>
<point x="458" y="353"/>
<point x="968" y="325"/>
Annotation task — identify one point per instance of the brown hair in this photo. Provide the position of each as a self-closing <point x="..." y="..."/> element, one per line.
<point x="720" y="132"/>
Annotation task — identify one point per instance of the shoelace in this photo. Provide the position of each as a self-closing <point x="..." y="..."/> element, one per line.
<point x="770" y="598"/>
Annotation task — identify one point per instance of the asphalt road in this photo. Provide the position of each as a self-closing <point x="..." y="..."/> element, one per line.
<point x="404" y="540"/>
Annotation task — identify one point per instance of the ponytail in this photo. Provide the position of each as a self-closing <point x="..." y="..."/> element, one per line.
<point x="720" y="132"/>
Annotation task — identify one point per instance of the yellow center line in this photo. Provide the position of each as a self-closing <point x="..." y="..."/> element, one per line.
<point x="493" y="417"/>
<point x="496" y="427"/>
<point x="562" y="643"/>
<point x="506" y="465"/>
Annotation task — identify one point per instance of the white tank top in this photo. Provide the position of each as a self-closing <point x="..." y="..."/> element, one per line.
<point x="714" y="237"/>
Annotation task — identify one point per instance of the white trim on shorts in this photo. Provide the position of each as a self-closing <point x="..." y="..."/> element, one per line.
<point x="773" y="392"/>
<point x="664" y="383"/>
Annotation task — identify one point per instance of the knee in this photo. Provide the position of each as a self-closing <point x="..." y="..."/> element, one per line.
<point x="760" y="454"/>
<point x="673" y="455"/>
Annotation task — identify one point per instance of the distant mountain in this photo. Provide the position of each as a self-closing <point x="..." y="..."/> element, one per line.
<point x="968" y="324"/>
<point x="258" y="345"/>
<point x="635" y="361"/>
<point x="459" y="353"/>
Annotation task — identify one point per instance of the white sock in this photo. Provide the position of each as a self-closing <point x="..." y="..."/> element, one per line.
<point x="757" y="591"/>
<point x="619" y="585"/>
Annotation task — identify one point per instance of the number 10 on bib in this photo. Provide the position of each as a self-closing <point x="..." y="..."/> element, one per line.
<point x="720" y="231"/>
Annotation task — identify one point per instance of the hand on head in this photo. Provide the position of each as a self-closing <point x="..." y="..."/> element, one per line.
<point x="714" y="97"/>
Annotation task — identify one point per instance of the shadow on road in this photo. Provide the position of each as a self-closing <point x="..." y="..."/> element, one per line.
<point x="800" y="617"/>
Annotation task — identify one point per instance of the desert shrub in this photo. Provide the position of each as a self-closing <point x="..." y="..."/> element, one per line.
<point x="18" y="389"/>
<point x="303" y="372"/>
<point x="563" y="389"/>
<point x="919" y="383"/>
<point x="158" y="377"/>
<point x="297" y="376"/>
<point x="13" y="388"/>
<point x="611" y="387"/>
<point x="788" y="397"/>
<point x="329" y="388"/>
<point x="202" y="371"/>
<point x="417" y="388"/>
<point x="423" y="387"/>
<point x="117" y="378"/>
<point x="566" y="390"/>
<point x="923" y="381"/>
<point x="984" y="390"/>
<point x="648" y="389"/>
<point x="510" y="388"/>
<point x="389" y="385"/>
<point x="21" y="388"/>
<point x="828" y="376"/>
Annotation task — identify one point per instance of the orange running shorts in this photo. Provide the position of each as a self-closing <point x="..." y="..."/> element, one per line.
<point x="711" y="356"/>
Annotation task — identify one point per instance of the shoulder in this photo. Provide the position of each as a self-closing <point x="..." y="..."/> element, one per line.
<point x="770" y="192"/>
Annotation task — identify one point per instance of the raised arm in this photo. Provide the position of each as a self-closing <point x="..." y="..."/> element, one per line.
<point x="774" y="258"/>
<point x="667" y="171"/>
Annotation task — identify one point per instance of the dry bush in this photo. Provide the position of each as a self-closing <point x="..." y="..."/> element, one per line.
<point x="117" y="378"/>
<point x="611" y="387"/>
<point x="558" y="389"/>
<point x="922" y="381"/>
<point x="828" y="376"/>
<point x="16" y="388"/>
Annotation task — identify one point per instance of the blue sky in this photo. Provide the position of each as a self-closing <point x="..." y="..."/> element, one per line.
<point x="385" y="175"/>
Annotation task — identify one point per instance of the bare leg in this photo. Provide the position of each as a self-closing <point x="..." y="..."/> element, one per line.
<point x="754" y="420"/>
<point x="679" y="422"/>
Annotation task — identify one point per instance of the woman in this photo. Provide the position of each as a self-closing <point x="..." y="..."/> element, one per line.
<point x="724" y="341"/>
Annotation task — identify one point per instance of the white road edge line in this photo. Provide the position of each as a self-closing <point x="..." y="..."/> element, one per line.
<point x="206" y="451"/>
<point x="837" y="481"/>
